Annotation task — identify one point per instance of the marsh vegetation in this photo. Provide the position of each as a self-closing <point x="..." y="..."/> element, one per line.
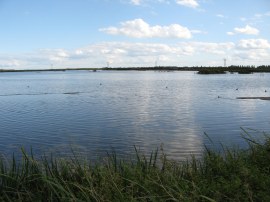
<point x="233" y="175"/>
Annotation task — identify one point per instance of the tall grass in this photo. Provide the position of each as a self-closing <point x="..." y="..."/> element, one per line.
<point x="235" y="175"/>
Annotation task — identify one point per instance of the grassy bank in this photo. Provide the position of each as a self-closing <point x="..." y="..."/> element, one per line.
<point x="235" y="175"/>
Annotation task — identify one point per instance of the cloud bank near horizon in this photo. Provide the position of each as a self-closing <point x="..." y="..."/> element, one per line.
<point x="127" y="54"/>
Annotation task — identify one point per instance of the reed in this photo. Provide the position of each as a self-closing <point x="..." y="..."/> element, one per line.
<point x="233" y="175"/>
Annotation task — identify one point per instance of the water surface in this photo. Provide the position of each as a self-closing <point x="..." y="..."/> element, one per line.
<point x="94" y="112"/>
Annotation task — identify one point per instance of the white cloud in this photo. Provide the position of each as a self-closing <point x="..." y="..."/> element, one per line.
<point x="245" y="30"/>
<point x="144" y="54"/>
<point x="243" y="19"/>
<point x="258" y="15"/>
<point x="55" y="55"/>
<point x="254" y="44"/>
<point x="147" y="2"/>
<point x="164" y="1"/>
<point x="138" y="28"/>
<point x="9" y="63"/>
<point x="212" y="48"/>
<point x="230" y="33"/>
<point x="182" y="53"/>
<point x="136" y="2"/>
<point x="195" y="31"/>
<point x="256" y="18"/>
<point x="253" y="50"/>
<point x="126" y="54"/>
<point x="220" y="16"/>
<point x="188" y="3"/>
<point x="254" y="55"/>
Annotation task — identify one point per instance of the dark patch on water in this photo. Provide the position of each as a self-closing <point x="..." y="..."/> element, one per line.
<point x="36" y="94"/>
<point x="252" y="98"/>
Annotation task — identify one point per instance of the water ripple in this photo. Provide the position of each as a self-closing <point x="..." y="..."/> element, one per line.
<point x="63" y="110"/>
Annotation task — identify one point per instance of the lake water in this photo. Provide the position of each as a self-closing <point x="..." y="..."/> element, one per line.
<point x="95" y="112"/>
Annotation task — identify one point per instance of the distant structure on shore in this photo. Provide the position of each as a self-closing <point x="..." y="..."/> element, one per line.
<point x="225" y="62"/>
<point x="156" y="62"/>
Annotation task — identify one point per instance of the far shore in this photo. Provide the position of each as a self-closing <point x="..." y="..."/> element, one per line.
<point x="201" y="69"/>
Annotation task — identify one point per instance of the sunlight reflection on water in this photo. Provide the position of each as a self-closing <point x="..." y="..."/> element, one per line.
<point x="95" y="112"/>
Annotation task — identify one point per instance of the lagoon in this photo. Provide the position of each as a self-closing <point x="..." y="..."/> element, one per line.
<point x="95" y="112"/>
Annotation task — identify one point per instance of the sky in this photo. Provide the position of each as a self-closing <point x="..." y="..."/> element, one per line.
<point x="133" y="33"/>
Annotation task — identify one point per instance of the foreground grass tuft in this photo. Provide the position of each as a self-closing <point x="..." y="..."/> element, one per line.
<point x="235" y="175"/>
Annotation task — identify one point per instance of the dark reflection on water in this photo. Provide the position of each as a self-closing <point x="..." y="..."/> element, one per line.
<point x="94" y="112"/>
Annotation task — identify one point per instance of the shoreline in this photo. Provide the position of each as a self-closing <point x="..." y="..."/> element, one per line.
<point x="201" y="70"/>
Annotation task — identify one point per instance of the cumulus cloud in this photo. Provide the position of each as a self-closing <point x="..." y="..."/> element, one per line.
<point x="188" y="3"/>
<point x="254" y="44"/>
<point x="245" y="30"/>
<point x="127" y="54"/>
<point x="252" y="54"/>
<point x="138" y="28"/>
<point x="253" y="49"/>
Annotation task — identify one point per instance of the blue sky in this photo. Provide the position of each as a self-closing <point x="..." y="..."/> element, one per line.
<point x="91" y="33"/>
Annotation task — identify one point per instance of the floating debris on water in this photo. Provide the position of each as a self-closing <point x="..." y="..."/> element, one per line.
<point x="260" y="98"/>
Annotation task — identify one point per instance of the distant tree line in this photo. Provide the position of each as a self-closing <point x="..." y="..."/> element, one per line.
<point x="244" y="69"/>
